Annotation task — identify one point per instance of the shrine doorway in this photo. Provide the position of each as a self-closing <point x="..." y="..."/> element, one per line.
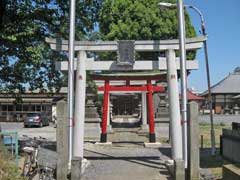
<point x="126" y="110"/>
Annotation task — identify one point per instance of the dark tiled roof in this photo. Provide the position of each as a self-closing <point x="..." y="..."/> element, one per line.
<point x="229" y="85"/>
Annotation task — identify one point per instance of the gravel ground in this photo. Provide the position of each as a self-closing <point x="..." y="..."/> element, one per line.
<point x="218" y="119"/>
<point x="127" y="158"/>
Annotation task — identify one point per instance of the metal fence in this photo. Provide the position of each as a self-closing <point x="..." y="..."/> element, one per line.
<point x="10" y="139"/>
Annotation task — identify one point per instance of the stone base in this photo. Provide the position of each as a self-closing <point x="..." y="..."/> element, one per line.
<point x="92" y="130"/>
<point x="85" y="164"/>
<point x="145" y="127"/>
<point x="170" y="166"/>
<point x="231" y="172"/>
<point x="105" y="144"/>
<point x="176" y="169"/>
<point x="92" y="120"/>
<point x="152" y="145"/>
<point x="179" y="170"/>
<point x="144" y="130"/>
<point x="109" y="129"/>
<point x="74" y="173"/>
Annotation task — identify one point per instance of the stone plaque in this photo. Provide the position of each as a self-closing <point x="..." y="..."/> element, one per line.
<point x="126" y="52"/>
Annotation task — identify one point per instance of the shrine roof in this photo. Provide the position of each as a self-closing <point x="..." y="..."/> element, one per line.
<point x="191" y="96"/>
<point x="141" y="75"/>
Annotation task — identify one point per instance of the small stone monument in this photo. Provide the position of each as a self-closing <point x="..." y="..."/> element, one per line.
<point x="91" y="110"/>
<point x="162" y="106"/>
<point x="236" y="109"/>
<point x="227" y="110"/>
<point x="92" y="118"/>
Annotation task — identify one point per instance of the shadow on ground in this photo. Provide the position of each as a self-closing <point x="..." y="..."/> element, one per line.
<point x="210" y="161"/>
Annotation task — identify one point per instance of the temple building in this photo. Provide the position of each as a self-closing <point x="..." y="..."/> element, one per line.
<point x="226" y="94"/>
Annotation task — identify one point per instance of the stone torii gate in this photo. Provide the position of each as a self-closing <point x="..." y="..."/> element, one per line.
<point x="169" y="63"/>
<point x="149" y="88"/>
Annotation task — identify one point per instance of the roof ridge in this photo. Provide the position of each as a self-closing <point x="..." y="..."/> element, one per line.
<point x="213" y="86"/>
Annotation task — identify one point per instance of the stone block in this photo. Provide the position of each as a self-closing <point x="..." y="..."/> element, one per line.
<point x="92" y="120"/>
<point x="144" y="129"/>
<point x="231" y="172"/>
<point x="92" y="131"/>
<point x="170" y="166"/>
<point x="179" y="170"/>
<point x="105" y="144"/>
<point x="231" y="145"/>
<point x="235" y="126"/>
<point x="76" y="169"/>
<point x="85" y="164"/>
<point x="152" y="145"/>
<point x="227" y="148"/>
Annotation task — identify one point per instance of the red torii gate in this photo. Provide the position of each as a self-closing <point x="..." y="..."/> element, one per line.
<point x="149" y="88"/>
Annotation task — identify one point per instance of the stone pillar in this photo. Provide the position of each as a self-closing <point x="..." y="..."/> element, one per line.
<point x="76" y="168"/>
<point x="62" y="140"/>
<point x="174" y="107"/>
<point x="79" y="115"/>
<point x="144" y="125"/>
<point x="193" y="141"/>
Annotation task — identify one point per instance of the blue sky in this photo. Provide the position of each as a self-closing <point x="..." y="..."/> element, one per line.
<point x="222" y="19"/>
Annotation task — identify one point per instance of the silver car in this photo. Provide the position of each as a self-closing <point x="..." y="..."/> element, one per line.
<point x="36" y="119"/>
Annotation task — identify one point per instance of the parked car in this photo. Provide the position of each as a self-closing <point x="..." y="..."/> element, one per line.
<point x="36" y="119"/>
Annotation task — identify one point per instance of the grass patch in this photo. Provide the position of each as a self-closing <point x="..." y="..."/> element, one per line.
<point x="205" y="132"/>
<point x="8" y="170"/>
<point x="213" y="163"/>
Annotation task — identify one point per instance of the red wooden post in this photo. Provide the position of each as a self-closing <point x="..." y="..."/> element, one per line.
<point x="152" y="137"/>
<point x="105" y="112"/>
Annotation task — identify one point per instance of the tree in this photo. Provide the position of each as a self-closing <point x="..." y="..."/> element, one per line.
<point x="25" y="59"/>
<point x="140" y="20"/>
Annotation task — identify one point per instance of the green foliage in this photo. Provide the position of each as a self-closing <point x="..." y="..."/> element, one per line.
<point x="8" y="171"/>
<point x="25" y="59"/>
<point x="140" y="20"/>
<point x="91" y="84"/>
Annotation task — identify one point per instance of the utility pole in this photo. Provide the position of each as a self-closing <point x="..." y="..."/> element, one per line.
<point x="213" y="144"/>
<point x="71" y="77"/>
<point x="181" y="30"/>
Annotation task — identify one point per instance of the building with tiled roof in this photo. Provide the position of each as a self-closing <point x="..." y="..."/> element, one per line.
<point x="226" y="93"/>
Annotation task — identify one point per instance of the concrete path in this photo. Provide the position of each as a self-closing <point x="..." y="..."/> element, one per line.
<point x="127" y="159"/>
